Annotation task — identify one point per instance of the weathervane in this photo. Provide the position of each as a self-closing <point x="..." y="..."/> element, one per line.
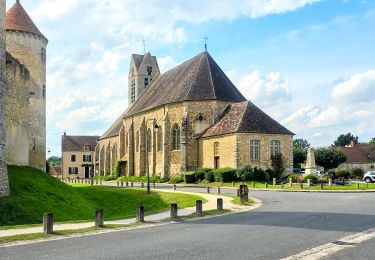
<point x="144" y="46"/>
<point x="205" y="43"/>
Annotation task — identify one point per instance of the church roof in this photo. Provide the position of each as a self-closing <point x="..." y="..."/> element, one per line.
<point x="138" y="59"/>
<point x="245" y="117"/>
<point x="76" y="143"/>
<point x="17" y="19"/>
<point x="199" y="78"/>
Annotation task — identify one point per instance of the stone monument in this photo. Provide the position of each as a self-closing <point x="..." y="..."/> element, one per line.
<point x="310" y="167"/>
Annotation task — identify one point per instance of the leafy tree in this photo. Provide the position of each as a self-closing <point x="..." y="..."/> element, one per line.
<point x="54" y="160"/>
<point x="300" y="147"/>
<point x="330" y="157"/>
<point x="345" y="139"/>
<point x="278" y="165"/>
<point x="372" y="141"/>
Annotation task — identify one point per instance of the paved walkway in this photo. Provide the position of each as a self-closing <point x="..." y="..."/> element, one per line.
<point x="209" y="205"/>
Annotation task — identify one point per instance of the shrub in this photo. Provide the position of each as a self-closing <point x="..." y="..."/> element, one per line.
<point x="311" y="177"/>
<point x="272" y="174"/>
<point x="295" y="177"/>
<point x="105" y="178"/>
<point x="225" y="174"/>
<point x="357" y="173"/>
<point x="117" y="169"/>
<point x="176" y="180"/>
<point x="245" y="173"/>
<point x="260" y="175"/>
<point x="189" y="177"/>
<point x="278" y="165"/>
<point x="202" y="173"/>
<point x="342" y="174"/>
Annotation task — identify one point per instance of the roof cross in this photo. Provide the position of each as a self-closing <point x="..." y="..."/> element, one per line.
<point x="205" y="43"/>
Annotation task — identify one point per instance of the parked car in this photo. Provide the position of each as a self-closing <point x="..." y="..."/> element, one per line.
<point x="369" y="177"/>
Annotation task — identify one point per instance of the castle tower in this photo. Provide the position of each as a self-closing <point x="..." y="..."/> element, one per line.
<point x="4" y="186"/>
<point x="26" y="44"/>
<point x="143" y="69"/>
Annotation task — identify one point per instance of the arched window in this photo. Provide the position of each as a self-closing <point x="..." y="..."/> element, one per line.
<point x="176" y="137"/>
<point x="275" y="148"/>
<point x="216" y="149"/>
<point x="160" y="139"/>
<point x="200" y="124"/>
<point x="255" y="150"/>
<point x="149" y="140"/>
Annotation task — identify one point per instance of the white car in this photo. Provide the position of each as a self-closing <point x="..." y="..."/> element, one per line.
<point x="369" y="177"/>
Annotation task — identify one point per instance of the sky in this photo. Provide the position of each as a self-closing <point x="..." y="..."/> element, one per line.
<point x="310" y="64"/>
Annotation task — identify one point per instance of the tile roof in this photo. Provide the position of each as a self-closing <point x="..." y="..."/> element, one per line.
<point x="356" y="153"/>
<point x="199" y="78"/>
<point x="245" y="117"/>
<point x="76" y="143"/>
<point x="17" y="19"/>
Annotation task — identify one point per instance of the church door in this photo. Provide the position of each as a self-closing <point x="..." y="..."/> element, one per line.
<point x="217" y="162"/>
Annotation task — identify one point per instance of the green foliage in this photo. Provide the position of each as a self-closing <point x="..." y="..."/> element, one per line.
<point x="202" y="173"/>
<point x="142" y="179"/>
<point x="372" y="141"/>
<point x="342" y="174"/>
<point x="278" y="165"/>
<point x="295" y="177"/>
<point x="301" y="143"/>
<point x="311" y="177"/>
<point x="176" y="180"/>
<point x="244" y="174"/>
<point x="357" y="173"/>
<point x="299" y="151"/>
<point x="260" y="175"/>
<point x="117" y="169"/>
<point x="225" y="174"/>
<point x="54" y="160"/>
<point x="345" y="139"/>
<point x="34" y="193"/>
<point x="371" y="152"/>
<point x="329" y="158"/>
<point x="105" y="178"/>
<point x="189" y="177"/>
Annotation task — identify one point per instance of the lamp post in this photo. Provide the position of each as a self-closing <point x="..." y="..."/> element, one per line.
<point x="155" y="129"/>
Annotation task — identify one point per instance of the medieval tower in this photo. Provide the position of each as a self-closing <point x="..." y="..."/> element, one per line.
<point x="4" y="186"/>
<point x="143" y="69"/>
<point x="26" y="94"/>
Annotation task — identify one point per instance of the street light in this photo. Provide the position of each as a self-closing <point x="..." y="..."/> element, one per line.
<point x="155" y="128"/>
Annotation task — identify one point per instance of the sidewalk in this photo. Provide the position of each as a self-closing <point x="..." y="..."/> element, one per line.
<point x="209" y="205"/>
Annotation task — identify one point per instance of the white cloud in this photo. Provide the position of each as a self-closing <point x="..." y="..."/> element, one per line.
<point x="166" y="63"/>
<point x="359" y="88"/>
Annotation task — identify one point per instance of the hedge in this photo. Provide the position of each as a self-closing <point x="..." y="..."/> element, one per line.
<point x="342" y="174"/>
<point x="225" y="174"/>
<point x="311" y="177"/>
<point x="202" y="173"/>
<point x="189" y="177"/>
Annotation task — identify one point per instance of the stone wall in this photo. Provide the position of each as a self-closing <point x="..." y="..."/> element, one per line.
<point x="365" y="166"/>
<point x="4" y="185"/>
<point x="30" y="51"/>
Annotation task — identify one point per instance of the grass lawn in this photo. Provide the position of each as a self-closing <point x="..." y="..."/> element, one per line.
<point x="262" y="185"/>
<point x="34" y="192"/>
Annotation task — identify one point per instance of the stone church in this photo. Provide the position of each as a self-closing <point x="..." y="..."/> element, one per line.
<point x="23" y="89"/>
<point x="191" y="116"/>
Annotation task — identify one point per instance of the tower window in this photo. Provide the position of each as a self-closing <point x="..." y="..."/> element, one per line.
<point x="149" y="70"/>
<point x="146" y="82"/>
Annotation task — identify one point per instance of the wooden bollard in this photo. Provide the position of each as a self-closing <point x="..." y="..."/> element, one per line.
<point x="97" y="182"/>
<point x="243" y="199"/>
<point x="357" y="186"/>
<point x="253" y="183"/>
<point x="140" y="214"/>
<point x="321" y="186"/>
<point x="154" y="185"/>
<point x="301" y="186"/>
<point x="132" y="184"/>
<point x="266" y="185"/>
<point x="174" y="187"/>
<point x="122" y="184"/>
<point x="118" y="184"/>
<point x="290" y="182"/>
<point x="308" y="183"/>
<point x="48" y="223"/>
<point x="274" y="181"/>
<point x="101" y="182"/>
<point x="218" y="190"/>
<point x="127" y="184"/>
<point x="208" y="189"/>
<point x="220" y="204"/>
<point x="99" y="218"/>
<point x="173" y="210"/>
<point x="232" y="183"/>
<point x="198" y="207"/>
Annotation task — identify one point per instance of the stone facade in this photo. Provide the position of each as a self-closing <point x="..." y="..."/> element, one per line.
<point x="26" y="95"/>
<point x="4" y="185"/>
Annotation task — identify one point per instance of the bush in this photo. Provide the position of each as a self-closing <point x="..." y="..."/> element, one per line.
<point x="156" y="179"/>
<point x="342" y="174"/>
<point x="311" y="177"/>
<point x="225" y="174"/>
<point x="295" y="177"/>
<point x="176" y="180"/>
<point x="260" y="175"/>
<point x="244" y="174"/>
<point x="357" y="173"/>
<point x="278" y="165"/>
<point x="272" y="174"/>
<point x="189" y="177"/>
<point x="202" y="173"/>
<point x="105" y="178"/>
<point x="117" y="169"/>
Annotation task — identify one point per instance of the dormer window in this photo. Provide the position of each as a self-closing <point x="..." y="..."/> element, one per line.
<point x="87" y="147"/>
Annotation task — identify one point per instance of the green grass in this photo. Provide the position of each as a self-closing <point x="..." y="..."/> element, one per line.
<point x="34" y="192"/>
<point x="237" y="200"/>
<point x="261" y="185"/>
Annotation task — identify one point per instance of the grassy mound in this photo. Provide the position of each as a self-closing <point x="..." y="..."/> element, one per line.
<point x="34" y="192"/>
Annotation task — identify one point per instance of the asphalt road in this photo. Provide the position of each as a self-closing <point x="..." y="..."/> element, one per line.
<point x="287" y="224"/>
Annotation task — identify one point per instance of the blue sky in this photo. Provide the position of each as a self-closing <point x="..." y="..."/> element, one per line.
<point x="310" y="64"/>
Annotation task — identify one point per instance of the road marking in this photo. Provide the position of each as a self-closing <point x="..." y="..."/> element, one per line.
<point x="335" y="246"/>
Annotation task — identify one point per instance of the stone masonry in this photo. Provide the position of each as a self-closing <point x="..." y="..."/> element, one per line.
<point x="4" y="185"/>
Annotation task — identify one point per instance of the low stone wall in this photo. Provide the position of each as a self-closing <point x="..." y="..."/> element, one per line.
<point x="364" y="166"/>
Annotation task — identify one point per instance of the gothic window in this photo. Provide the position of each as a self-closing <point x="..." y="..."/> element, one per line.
<point x="176" y="138"/>
<point x="149" y="140"/>
<point x="275" y="148"/>
<point x="146" y="82"/>
<point x="200" y="124"/>
<point x="255" y="150"/>
<point x="149" y="70"/>
<point x="160" y="139"/>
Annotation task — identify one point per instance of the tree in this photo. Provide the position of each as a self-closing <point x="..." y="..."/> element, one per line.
<point x="371" y="152"/>
<point x="54" y="160"/>
<point x="345" y="139"/>
<point x="300" y="147"/>
<point x="372" y="141"/>
<point x="278" y="165"/>
<point x="330" y="157"/>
